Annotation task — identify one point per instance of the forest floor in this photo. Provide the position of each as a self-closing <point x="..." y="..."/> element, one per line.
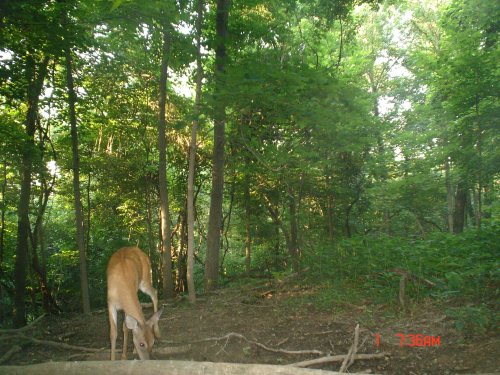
<point x="264" y="322"/>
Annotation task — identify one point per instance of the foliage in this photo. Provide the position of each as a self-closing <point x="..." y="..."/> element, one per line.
<point x="350" y="126"/>
<point x="473" y="320"/>
<point x="463" y="268"/>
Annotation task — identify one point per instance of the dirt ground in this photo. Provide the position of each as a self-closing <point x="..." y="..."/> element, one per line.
<point x="273" y="323"/>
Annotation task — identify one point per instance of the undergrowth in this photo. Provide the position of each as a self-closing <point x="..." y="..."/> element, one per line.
<point x="464" y="270"/>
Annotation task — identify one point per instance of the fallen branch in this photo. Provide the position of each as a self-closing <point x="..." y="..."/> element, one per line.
<point x="104" y="353"/>
<point x="349" y="360"/>
<point x="172" y="350"/>
<point x="262" y="346"/>
<point x="412" y="276"/>
<point x="54" y="344"/>
<point x="338" y="358"/>
<point x="25" y="328"/>
<point x="6" y="356"/>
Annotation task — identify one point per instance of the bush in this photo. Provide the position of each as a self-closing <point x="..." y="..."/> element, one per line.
<point x="464" y="268"/>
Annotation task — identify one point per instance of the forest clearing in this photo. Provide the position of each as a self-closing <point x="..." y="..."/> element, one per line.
<point x="311" y="185"/>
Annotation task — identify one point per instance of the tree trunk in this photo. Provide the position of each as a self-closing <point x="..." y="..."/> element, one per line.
<point x="2" y="220"/>
<point x="449" y="195"/>
<point x="181" y="284"/>
<point x="89" y="212"/>
<point x="248" y="235"/>
<point x="216" y="194"/>
<point x="329" y="214"/>
<point x="149" y="220"/>
<point x="347" y="225"/>
<point x="274" y="213"/>
<point x="478" y="202"/>
<point x="460" y="207"/>
<point x="329" y="205"/>
<point x="293" y="246"/>
<point x="192" y="157"/>
<point x="80" y="233"/>
<point x="48" y="302"/>
<point x="35" y="77"/>
<point x="226" y="223"/>
<point x="168" y="280"/>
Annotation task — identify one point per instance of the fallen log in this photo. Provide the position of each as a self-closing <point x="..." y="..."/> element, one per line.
<point x="156" y="368"/>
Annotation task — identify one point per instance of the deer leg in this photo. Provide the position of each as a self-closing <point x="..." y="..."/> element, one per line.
<point x="112" y="330"/>
<point x="125" y="340"/>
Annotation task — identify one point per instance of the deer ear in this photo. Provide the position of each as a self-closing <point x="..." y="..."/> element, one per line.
<point x="131" y="322"/>
<point x="155" y="317"/>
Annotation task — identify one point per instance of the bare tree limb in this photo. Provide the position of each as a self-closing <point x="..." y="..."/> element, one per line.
<point x="53" y="344"/>
<point x="10" y="352"/>
<point x="262" y="346"/>
<point x="338" y="358"/>
<point x="349" y="360"/>
<point x="25" y="328"/>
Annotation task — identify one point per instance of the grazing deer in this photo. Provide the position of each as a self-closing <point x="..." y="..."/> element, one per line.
<point x="129" y="270"/>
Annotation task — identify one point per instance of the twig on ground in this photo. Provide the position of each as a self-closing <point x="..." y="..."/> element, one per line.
<point x="338" y="358"/>
<point x="260" y="345"/>
<point x="318" y="333"/>
<point x="282" y="341"/>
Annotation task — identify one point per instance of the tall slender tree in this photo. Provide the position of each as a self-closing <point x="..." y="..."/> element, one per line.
<point x="80" y="233"/>
<point x="168" y="281"/>
<point x="217" y="191"/>
<point x="36" y="70"/>
<point x="192" y="155"/>
<point x="72" y="99"/>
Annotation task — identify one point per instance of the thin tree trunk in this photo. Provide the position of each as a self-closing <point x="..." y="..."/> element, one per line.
<point x="149" y="220"/>
<point x="35" y="77"/>
<point x="216" y="194"/>
<point x="89" y="212"/>
<point x="478" y="204"/>
<point x="449" y="195"/>
<point x="226" y="224"/>
<point x="479" y="200"/>
<point x="293" y="246"/>
<point x="181" y="256"/>
<point x="168" y="280"/>
<point x="274" y="213"/>
<point x="460" y="207"/>
<point x="4" y="204"/>
<point x="80" y="233"/>
<point x="36" y="238"/>
<point x="248" y="235"/>
<point x="329" y="204"/>
<point x="192" y="157"/>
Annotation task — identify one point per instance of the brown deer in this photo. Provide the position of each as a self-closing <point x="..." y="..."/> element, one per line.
<point x="129" y="270"/>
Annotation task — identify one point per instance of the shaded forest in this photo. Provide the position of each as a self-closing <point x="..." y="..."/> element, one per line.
<point x="352" y="142"/>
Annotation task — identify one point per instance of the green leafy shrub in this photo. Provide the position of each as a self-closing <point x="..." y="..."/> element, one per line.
<point x="473" y="319"/>
<point x="463" y="267"/>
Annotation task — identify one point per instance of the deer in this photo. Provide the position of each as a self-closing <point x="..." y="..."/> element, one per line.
<point x="129" y="270"/>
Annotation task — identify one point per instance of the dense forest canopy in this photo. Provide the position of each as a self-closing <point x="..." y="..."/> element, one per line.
<point x="318" y="130"/>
